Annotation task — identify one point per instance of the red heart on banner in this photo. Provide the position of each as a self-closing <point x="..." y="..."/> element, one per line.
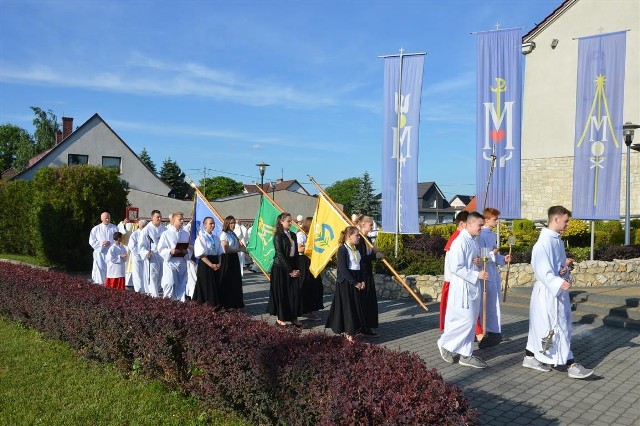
<point x="497" y="135"/>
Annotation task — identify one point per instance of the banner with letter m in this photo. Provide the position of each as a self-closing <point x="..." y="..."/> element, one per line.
<point x="402" y="95"/>
<point x="498" y="120"/>
<point x="598" y="135"/>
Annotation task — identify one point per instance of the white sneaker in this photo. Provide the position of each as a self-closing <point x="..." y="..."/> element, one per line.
<point x="534" y="364"/>
<point x="577" y="371"/>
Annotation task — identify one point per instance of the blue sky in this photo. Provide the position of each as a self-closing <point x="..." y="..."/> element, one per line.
<point x="228" y="84"/>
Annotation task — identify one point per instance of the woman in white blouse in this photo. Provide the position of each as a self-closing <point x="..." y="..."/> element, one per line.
<point x="207" y="248"/>
<point x="230" y="273"/>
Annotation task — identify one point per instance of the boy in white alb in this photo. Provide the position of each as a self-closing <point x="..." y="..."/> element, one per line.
<point x="463" y="304"/>
<point x="116" y="262"/>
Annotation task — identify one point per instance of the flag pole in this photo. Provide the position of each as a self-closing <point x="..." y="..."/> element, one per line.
<point x="386" y="263"/>
<point x="276" y="205"/>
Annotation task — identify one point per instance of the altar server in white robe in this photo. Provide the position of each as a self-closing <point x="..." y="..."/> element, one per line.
<point x="488" y="241"/>
<point x="138" y="271"/>
<point x="174" y="267"/>
<point x="549" y="340"/>
<point x="465" y="296"/>
<point x="148" y="250"/>
<point x="100" y="239"/>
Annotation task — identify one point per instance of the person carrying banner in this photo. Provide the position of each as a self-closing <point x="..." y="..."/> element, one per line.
<point x="100" y="239"/>
<point x="488" y="239"/>
<point x="311" y="288"/>
<point x="208" y="249"/>
<point x="284" y="291"/>
<point x="465" y="296"/>
<point x="148" y="250"/>
<point x="138" y="274"/>
<point x="173" y="248"/>
<point x="116" y="261"/>
<point x="230" y="270"/>
<point x="368" y="254"/>
<point x="549" y="340"/>
<point x="461" y="221"/>
<point x="346" y="315"/>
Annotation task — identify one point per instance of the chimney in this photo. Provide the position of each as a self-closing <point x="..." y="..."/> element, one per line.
<point x="67" y="127"/>
<point x="58" y="137"/>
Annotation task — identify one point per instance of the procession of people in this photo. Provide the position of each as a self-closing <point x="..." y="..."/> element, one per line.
<point x="159" y="257"/>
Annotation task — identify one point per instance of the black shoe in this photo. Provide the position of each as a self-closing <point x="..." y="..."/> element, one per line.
<point x="369" y="332"/>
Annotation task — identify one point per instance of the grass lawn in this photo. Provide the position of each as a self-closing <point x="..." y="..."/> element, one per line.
<point x="43" y="382"/>
<point x="31" y="260"/>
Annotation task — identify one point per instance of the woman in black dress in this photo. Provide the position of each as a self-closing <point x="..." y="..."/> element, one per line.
<point x="284" y="292"/>
<point x="207" y="249"/>
<point x="346" y="314"/>
<point x="230" y="273"/>
<point x="310" y="287"/>
<point x="368" y="254"/>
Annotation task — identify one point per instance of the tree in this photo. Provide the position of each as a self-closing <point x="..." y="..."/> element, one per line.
<point x="46" y="126"/>
<point x="14" y="139"/>
<point x="344" y="192"/>
<point x="365" y="201"/>
<point x="146" y="159"/>
<point x="219" y="187"/>
<point x="174" y="177"/>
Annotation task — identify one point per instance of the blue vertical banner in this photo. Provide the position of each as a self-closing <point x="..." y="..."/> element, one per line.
<point x="201" y="210"/>
<point x="498" y="121"/>
<point x="402" y="96"/>
<point x="598" y="138"/>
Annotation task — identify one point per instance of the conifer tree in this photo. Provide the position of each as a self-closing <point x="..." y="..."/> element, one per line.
<point x="174" y="177"/>
<point x="146" y="159"/>
<point x="365" y="201"/>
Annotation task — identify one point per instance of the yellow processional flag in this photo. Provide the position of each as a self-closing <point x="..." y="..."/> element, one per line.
<point x="324" y="233"/>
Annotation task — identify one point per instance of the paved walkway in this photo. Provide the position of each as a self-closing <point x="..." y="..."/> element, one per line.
<point x="506" y="393"/>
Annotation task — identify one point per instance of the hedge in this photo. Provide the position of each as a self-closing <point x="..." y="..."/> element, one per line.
<point x="267" y="374"/>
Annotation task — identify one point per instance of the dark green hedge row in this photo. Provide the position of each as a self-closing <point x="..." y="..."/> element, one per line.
<point x="267" y="374"/>
<point x="51" y="216"/>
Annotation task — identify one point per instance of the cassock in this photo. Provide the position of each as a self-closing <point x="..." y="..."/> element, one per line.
<point x="174" y="268"/>
<point x="463" y="304"/>
<point x="97" y="236"/>
<point x="148" y="243"/>
<point x="488" y="239"/>
<point x="138" y="271"/>
<point x="550" y="306"/>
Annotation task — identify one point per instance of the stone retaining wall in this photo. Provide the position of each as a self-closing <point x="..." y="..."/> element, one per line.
<point x="590" y="273"/>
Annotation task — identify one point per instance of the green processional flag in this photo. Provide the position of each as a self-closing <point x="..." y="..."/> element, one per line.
<point x="260" y="245"/>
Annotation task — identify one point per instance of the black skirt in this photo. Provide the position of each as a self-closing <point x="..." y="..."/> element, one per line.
<point x="311" y="290"/>
<point x="230" y="293"/>
<point x="207" y="283"/>
<point x="284" y="292"/>
<point x="347" y="314"/>
<point x="369" y="298"/>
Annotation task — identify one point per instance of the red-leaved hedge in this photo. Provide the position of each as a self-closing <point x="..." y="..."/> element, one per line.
<point x="267" y="374"/>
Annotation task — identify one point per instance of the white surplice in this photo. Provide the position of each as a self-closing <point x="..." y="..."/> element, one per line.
<point x="550" y="306"/>
<point x="97" y="236"/>
<point x="138" y="271"/>
<point x="463" y="304"/>
<point x="174" y="268"/>
<point x="488" y="240"/>
<point x="148" y="243"/>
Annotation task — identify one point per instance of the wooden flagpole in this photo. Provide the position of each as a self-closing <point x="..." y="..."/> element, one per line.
<point x="386" y="263"/>
<point x="276" y="205"/>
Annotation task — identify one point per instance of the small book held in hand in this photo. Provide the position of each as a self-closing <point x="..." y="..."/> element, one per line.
<point x="180" y="249"/>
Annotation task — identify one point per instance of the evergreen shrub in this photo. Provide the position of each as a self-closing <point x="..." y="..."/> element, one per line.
<point x="268" y="374"/>
<point x="16" y="217"/>
<point x="608" y="233"/>
<point x="67" y="203"/>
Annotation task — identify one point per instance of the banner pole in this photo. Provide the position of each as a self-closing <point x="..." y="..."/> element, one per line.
<point x="397" y="153"/>
<point x="386" y="263"/>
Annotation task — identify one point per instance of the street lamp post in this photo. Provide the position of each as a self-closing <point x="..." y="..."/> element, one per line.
<point x="628" y="130"/>
<point x="262" y="167"/>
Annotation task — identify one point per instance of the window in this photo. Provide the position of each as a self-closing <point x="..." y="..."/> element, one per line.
<point x="78" y="159"/>
<point x="112" y="162"/>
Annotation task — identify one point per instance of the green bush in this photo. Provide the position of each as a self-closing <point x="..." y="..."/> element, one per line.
<point x="577" y="233"/>
<point x="579" y="253"/>
<point x="443" y="230"/>
<point x="16" y="217"/>
<point x="608" y="233"/>
<point x="523" y="225"/>
<point x="67" y="202"/>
